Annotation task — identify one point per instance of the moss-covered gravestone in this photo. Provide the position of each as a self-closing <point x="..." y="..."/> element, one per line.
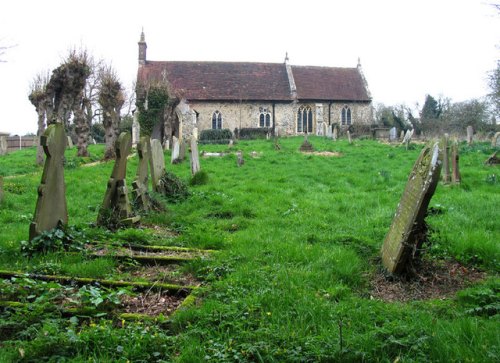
<point x="157" y="164"/>
<point x="116" y="208"/>
<point x="51" y="209"/>
<point x="408" y="229"/>
<point x="195" y="156"/>
<point x="140" y="184"/>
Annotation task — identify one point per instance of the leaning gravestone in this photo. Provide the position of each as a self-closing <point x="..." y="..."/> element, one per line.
<point x="175" y="149"/>
<point x="455" y="171"/>
<point x="140" y="184"/>
<point x="446" y="160"/>
<point x="408" y="228"/>
<point x="495" y="141"/>
<point x="116" y="206"/>
<point x="195" y="156"/>
<point x="157" y="164"/>
<point x="70" y="143"/>
<point x="51" y="208"/>
<point x="470" y="134"/>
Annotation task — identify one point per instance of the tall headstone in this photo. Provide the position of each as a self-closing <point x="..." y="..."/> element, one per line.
<point x="393" y="134"/>
<point x="70" y="143"/>
<point x="335" y="133"/>
<point x="175" y="149"/>
<point x="116" y="206"/>
<point x="195" y="156"/>
<point x="3" y="145"/>
<point x="470" y="134"/>
<point x="195" y="133"/>
<point x="329" y="132"/>
<point x="349" y="137"/>
<point x="182" y="150"/>
<point x="408" y="229"/>
<point x="407" y="138"/>
<point x="136" y="130"/>
<point x="402" y="135"/>
<point x="455" y="170"/>
<point x="495" y="141"/>
<point x="446" y="159"/>
<point x="140" y="184"/>
<point x="51" y="208"/>
<point x="157" y="164"/>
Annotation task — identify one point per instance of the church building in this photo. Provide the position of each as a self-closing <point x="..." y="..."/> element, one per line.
<point x="288" y="99"/>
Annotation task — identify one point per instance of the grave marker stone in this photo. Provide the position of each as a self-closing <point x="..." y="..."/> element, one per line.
<point x="455" y="171"/>
<point x="195" y="156"/>
<point x="329" y="132"/>
<point x="116" y="206"/>
<point x="335" y="133"/>
<point x="51" y="208"/>
<point x="195" y="133"/>
<point x="175" y="149"/>
<point x="157" y="164"/>
<point x="240" y="161"/>
<point x="306" y="145"/>
<point x="402" y="135"/>
<point x="495" y="141"/>
<point x="182" y="150"/>
<point x="140" y="184"/>
<point x="408" y="229"/>
<point x="3" y="145"/>
<point x="470" y="134"/>
<point x="70" y="143"/>
<point x="349" y="137"/>
<point x="446" y="159"/>
<point x="393" y="134"/>
<point x="166" y="145"/>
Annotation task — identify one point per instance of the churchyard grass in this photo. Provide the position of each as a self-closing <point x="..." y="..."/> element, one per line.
<point x="299" y="238"/>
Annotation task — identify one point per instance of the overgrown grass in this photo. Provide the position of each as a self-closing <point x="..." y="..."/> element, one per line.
<point x="299" y="236"/>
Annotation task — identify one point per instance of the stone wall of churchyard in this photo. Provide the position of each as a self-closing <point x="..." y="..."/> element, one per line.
<point x="246" y="114"/>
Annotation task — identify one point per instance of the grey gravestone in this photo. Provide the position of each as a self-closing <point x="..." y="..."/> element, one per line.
<point x="495" y="141"/>
<point x="51" y="208"/>
<point x="3" y="145"/>
<point x="195" y="156"/>
<point x="70" y="143"/>
<point x="240" y="161"/>
<point x="446" y="158"/>
<point x="335" y="133"/>
<point x="116" y="205"/>
<point x="182" y="150"/>
<point x="393" y="134"/>
<point x="402" y="135"/>
<point x="455" y="170"/>
<point x="470" y="134"/>
<point x="175" y="149"/>
<point x="329" y="132"/>
<point x="231" y="143"/>
<point x="407" y="138"/>
<point x="140" y="184"/>
<point x="166" y="145"/>
<point x="349" y="137"/>
<point x="195" y="133"/>
<point x="157" y="164"/>
<point x="407" y="230"/>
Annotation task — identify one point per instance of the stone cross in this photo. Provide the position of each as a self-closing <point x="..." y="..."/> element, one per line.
<point x="116" y="205"/>
<point x="51" y="208"/>
<point x="175" y="149"/>
<point x="446" y="159"/>
<point x="408" y="229"/>
<point x="470" y="134"/>
<point x="495" y="141"/>
<point x="157" y="164"/>
<point x="140" y="184"/>
<point x="455" y="171"/>
<point x="195" y="156"/>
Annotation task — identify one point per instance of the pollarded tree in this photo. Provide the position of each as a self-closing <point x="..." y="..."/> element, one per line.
<point x="494" y="83"/>
<point x="111" y="99"/>
<point x="37" y="97"/>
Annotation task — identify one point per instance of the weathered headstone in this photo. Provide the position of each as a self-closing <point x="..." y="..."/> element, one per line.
<point x="51" y="208"/>
<point x="166" y="145"/>
<point x="349" y="138"/>
<point x="407" y="138"/>
<point x="470" y="134"/>
<point x="136" y="130"/>
<point x="402" y="135"/>
<point x="116" y="206"/>
<point x="446" y="159"/>
<point x="140" y="184"/>
<point x="408" y="228"/>
<point x="195" y="133"/>
<point x="157" y="164"/>
<point x="195" y="156"/>
<point x="3" y="145"/>
<point x="329" y="132"/>
<point x="182" y="150"/>
<point x="455" y="170"/>
<point x="70" y="143"/>
<point x="240" y="161"/>
<point x="175" y="149"/>
<point x="231" y="143"/>
<point x="495" y="141"/>
<point x="393" y="134"/>
<point x="335" y="133"/>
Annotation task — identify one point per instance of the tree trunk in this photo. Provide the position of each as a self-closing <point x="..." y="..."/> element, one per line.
<point x="40" y="155"/>
<point x="82" y="130"/>
<point x="111" y="122"/>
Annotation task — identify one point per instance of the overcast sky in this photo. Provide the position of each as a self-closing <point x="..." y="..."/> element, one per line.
<point x="408" y="48"/>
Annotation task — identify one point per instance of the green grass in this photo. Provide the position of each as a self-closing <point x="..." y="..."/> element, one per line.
<point x="299" y="237"/>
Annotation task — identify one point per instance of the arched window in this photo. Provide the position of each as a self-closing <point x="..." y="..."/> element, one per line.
<point x="217" y="120"/>
<point x="305" y="120"/>
<point x="265" y="119"/>
<point x="346" y="116"/>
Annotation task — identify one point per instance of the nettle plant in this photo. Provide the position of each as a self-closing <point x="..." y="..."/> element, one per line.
<point x="61" y="238"/>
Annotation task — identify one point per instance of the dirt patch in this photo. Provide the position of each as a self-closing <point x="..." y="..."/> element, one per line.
<point x="433" y="280"/>
<point x="323" y="153"/>
<point x="151" y="304"/>
<point x="121" y="251"/>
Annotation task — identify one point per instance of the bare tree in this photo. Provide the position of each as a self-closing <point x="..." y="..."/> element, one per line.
<point x="37" y="97"/>
<point x="111" y="99"/>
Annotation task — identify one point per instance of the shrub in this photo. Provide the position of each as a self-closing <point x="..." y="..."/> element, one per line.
<point x="252" y="133"/>
<point x="61" y="238"/>
<point x="218" y="136"/>
<point x="173" y="188"/>
<point x="200" y="178"/>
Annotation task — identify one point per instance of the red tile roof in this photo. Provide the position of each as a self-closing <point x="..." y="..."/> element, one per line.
<point x="234" y="81"/>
